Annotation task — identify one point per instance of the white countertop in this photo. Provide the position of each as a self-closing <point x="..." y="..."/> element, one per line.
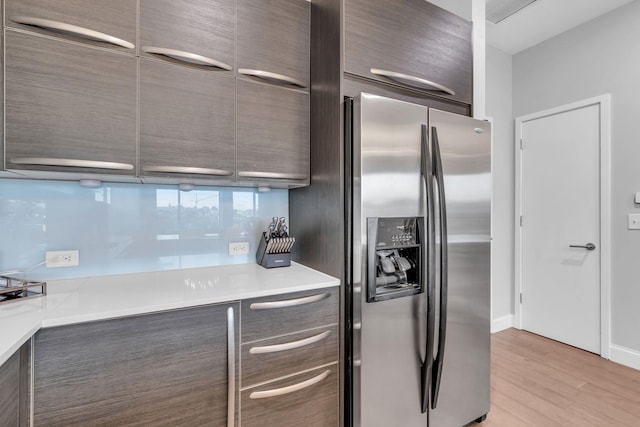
<point x="104" y="297"/>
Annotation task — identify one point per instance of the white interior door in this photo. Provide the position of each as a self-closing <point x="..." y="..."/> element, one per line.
<point x="560" y="206"/>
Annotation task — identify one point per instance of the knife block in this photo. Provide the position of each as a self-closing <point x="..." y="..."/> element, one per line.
<point x="273" y="259"/>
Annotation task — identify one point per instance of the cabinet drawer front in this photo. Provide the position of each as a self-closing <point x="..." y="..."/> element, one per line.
<point x="201" y="27"/>
<point x="65" y="101"/>
<point x="309" y="399"/>
<point x="290" y="313"/>
<point x="114" y="18"/>
<point x="186" y="120"/>
<point x="161" y="369"/>
<point x="273" y="36"/>
<point x="272" y="132"/>
<point x="277" y="357"/>
<point x="410" y="37"/>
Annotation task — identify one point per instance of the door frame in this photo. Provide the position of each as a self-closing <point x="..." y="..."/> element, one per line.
<point x="604" y="102"/>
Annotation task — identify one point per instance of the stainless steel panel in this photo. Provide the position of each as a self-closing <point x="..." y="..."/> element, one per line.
<point x="392" y="350"/>
<point x="465" y="148"/>
<point x="390" y="138"/>
<point x="465" y="386"/>
<point x="387" y="183"/>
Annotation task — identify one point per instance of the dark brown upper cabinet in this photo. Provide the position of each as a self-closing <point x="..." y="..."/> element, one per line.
<point x="187" y="122"/>
<point x="109" y="24"/>
<point x="272" y="134"/>
<point x="273" y="41"/>
<point x="69" y="107"/>
<point x="412" y="43"/>
<point x="199" y="32"/>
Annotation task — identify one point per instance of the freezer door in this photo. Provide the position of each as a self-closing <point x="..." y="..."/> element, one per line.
<point x="465" y="148"/>
<point x="388" y="336"/>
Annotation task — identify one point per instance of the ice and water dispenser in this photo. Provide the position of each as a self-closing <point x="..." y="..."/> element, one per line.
<point x="395" y="257"/>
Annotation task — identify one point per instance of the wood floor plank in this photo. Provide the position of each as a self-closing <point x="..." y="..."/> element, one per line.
<point x="501" y="417"/>
<point x="523" y="411"/>
<point x="518" y="385"/>
<point x="554" y="386"/>
<point x="536" y="381"/>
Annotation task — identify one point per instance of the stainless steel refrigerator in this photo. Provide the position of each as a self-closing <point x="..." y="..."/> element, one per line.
<point x="417" y="281"/>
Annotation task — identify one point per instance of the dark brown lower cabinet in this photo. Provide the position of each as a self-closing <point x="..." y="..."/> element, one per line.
<point x="308" y="399"/>
<point x="162" y="369"/>
<point x="290" y="366"/>
<point x="14" y="389"/>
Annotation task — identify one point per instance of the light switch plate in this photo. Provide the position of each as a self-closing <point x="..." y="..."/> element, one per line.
<point x="633" y="221"/>
<point x="638" y="197"/>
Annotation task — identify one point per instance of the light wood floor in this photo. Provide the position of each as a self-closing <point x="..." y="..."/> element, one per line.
<point x="539" y="382"/>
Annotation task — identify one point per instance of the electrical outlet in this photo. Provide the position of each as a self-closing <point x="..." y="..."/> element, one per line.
<point x="56" y="259"/>
<point x="238" y="248"/>
<point x="633" y="221"/>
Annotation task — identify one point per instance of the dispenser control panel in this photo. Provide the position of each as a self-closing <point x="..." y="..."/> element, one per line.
<point x="397" y="232"/>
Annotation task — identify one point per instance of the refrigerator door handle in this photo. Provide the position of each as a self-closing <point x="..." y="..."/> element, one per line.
<point x="444" y="265"/>
<point x="348" y="265"/>
<point x="426" y="171"/>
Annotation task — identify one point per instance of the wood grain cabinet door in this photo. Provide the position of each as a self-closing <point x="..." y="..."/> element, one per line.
<point x="187" y="121"/>
<point x="273" y="40"/>
<point x="68" y="107"/>
<point x="110" y="24"/>
<point x="162" y="369"/>
<point x="14" y="389"/>
<point x="272" y="134"/>
<point x="193" y="31"/>
<point x="412" y="43"/>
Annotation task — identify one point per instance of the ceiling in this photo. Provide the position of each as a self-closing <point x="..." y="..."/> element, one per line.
<point x="544" y="19"/>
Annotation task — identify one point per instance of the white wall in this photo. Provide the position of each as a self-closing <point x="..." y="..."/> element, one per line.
<point x="601" y="56"/>
<point x="499" y="108"/>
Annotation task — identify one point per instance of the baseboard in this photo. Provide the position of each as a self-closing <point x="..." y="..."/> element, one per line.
<point x="502" y="323"/>
<point x="624" y="356"/>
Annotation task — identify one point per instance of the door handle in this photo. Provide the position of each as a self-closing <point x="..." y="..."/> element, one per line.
<point x="588" y="246"/>
<point x="231" y="368"/>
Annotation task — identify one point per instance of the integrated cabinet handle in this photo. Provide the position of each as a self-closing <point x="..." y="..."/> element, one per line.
<point x="411" y="80"/>
<point x="289" y="345"/>
<point x="191" y="58"/>
<point x="272" y="175"/>
<point x="289" y="389"/>
<point x="73" y="29"/>
<point x="267" y="75"/>
<point x="231" y="369"/>
<point x="289" y="302"/>
<point x="74" y="163"/>
<point x="187" y="169"/>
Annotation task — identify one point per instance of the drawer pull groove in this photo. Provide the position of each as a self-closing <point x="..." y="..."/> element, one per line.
<point x="414" y="81"/>
<point x="75" y="163"/>
<point x="272" y="175"/>
<point x="289" y="302"/>
<point x="187" y="169"/>
<point x="275" y="77"/>
<point x="289" y="389"/>
<point x="191" y="58"/>
<point x="289" y="345"/>
<point x="73" y="29"/>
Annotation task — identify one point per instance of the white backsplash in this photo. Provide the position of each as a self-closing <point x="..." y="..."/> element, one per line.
<point x="126" y="228"/>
